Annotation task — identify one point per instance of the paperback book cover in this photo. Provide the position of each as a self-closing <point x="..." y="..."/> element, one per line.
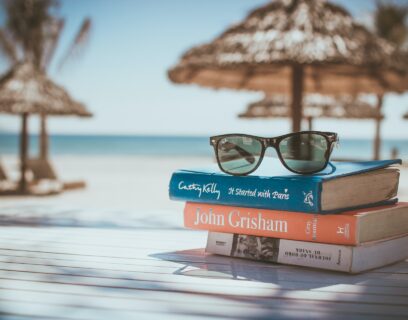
<point x="349" y="228"/>
<point x="341" y="186"/>
<point x="352" y="259"/>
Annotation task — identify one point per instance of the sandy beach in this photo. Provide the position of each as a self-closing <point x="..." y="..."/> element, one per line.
<point x="121" y="191"/>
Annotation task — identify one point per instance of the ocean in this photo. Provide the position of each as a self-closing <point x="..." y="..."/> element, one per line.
<point x="99" y="145"/>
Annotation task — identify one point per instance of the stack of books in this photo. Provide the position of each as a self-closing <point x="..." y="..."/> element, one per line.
<point x="346" y="218"/>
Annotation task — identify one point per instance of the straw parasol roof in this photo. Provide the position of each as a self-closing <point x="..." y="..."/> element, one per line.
<point x="314" y="106"/>
<point x="406" y="115"/>
<point x="27" y="90"/>
<point x="337" y="55"/>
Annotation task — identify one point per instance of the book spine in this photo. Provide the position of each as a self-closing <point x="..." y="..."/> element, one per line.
<point x="288" y="194"/>
<point x="336" y="229"/>
<point x="291" y="252"/>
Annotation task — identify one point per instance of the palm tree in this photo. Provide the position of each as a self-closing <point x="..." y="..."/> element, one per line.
<point x="390" y="22"/>
<point x="31" y="33"/>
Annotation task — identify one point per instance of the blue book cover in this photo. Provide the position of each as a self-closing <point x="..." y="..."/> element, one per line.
<point x="271" y="186"/>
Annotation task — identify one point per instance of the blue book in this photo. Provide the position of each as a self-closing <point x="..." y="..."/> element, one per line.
<point x="341" y="186"/>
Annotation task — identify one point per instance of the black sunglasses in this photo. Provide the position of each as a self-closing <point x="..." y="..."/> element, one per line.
<point x="304" y="152"/>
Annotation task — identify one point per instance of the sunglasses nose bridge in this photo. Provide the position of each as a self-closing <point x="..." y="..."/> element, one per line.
<point x="271" y="142"/>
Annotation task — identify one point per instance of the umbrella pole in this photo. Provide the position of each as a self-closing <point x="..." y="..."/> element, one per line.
<point x="377" y="137"/>
<point x="43" y="138"/>
<point x="310" y="123"/>
<point x="297" y="93"/>
<point x="23" y="153"/>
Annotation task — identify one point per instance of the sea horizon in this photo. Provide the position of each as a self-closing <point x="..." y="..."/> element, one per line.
<point x="171" y="145"/>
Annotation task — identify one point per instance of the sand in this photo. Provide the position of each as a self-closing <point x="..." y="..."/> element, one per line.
<point x="121" y="191"/>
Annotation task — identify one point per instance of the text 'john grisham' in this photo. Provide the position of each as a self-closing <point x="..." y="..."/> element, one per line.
<point x="239" y="220"/>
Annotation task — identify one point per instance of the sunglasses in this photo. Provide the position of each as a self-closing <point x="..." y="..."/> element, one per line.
<point x="304" y="152"/>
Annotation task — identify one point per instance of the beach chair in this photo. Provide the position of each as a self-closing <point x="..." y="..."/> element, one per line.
<point x="3" y="175"/>
<point x="45" y="180"/>
<point x="6" y="185"/>
<point x="41" y="169"/>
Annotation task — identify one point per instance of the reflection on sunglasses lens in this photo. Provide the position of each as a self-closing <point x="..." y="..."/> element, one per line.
<point x="305" y="152"/>
<point x="239" y="154"/>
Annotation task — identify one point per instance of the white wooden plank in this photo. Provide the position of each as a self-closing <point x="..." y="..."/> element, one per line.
<point x="170" y="277"/>
<point x="196" y="259"/>
<point x="291" y="279"/>
<point x="185" y="304"/>
<point x="150" y="237"/>
<point x="7" y="316"/>
<point x="206" y="287"/>
<point x="133" y="304"/>
<point x="44" y="311"/>
<point x="196" y="256"/>
<point x="102" y="266"/>
<point x="239" y="268"/>
<point x="96" y="237"/>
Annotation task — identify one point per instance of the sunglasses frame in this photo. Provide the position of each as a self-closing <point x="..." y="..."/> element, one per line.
<point x="331" y="138"/>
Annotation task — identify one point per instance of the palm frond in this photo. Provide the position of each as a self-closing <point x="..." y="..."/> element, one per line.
<point x="25" y="22"/>
<point x="52" y="36"/>
<point x="8" y="48"/>
<point x="391" y="22"/>
<point x="78" y="43"/>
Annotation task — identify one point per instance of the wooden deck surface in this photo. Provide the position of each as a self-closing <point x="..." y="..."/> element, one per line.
<point x="92" y="273"/>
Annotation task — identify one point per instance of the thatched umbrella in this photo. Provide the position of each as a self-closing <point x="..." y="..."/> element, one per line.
<point x="405" y="116"/>
<point x="315" y="106"/>
<point x="291" y="47"/>
<point x="25" y="90"/>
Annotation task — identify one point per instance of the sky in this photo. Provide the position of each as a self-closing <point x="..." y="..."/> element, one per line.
<point x="121" y="75"/>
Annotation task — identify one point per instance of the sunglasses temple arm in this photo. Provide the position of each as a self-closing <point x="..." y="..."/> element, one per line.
<point x="332" y="166"/>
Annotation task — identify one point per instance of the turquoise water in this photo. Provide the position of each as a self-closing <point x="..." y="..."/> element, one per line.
<point x="172" y="146"/>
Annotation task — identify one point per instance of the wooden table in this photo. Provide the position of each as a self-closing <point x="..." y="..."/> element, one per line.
<point x="93" y="273"/>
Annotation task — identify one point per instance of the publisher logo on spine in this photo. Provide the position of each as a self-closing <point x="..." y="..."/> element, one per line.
<point x="344" y="230"/>
<point x="308" y="198"/>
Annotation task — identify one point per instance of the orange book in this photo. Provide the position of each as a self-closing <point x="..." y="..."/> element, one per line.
<point x="350" y="227"/>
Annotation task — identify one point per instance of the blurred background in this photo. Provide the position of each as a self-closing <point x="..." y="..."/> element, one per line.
<point x="104" y="99"/>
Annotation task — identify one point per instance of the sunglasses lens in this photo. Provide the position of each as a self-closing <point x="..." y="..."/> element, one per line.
<point x="239" y="154"/>
<point x="305" y="152"/>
